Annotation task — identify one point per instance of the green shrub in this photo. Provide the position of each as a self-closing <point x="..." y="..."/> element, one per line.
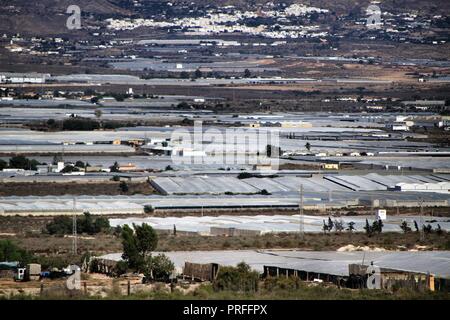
<point x="9" y="251"/>
<point x="85" y="224"/>
<point x="240" y="278"/>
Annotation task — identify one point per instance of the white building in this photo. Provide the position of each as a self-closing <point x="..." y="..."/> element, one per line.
<point x="438" y="187"/>
<point x="23" y="77"/>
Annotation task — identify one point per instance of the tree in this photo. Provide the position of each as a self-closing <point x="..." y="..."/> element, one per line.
<point x="131" y="252"/>
<point x="308" y="146"/>
<point x="120" y="268"/>
<point x="98" y="113"/>
<point x="404" y="226"/>
<point x="59" y="225"/>
<point x="183" y="105"/>
<point x="80" y="164"/>
<point x="427" y="228"/>
<point x="416" y="226"/>
<point x="325" y="227"/>
<point x="330" y="224"/>
<point x="138" y="244"/>
<point x="377" y="226"/>
<point x="51" y="123"/>
<point x="85" y="224"/>
<point x="123" y="187"/>
<point x="114" y="167"/>
<point x="247" y="73"/>
<point x="159" y="267"/>
<point x="147" y="239"/>
<point x="198" y="74"/>
<point x="184" y="75"/>
<point x="3" y="164"/>
<point x="339" y="225"/>
<point x="57" y="158"/>
<point x="245" y="175"/>
<point x="80" y="124"/>
<point x="89" y="92"/>
<point x="21" y="162"/>
<point x="148" y="208"/>
<point x="9" y="251"/>
<point x="439" y="230"/>
<point x="101" y="224"/>
<point x="239" y="278"/>
<point x="94" y="100"/>
<point x="368" y="228"/>
<point x="351" y="226"/>
<point x="69" y="168"/>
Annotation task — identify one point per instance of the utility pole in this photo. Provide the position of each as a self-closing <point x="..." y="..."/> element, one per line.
<point x="302" y="218"/>
<point x="74" y="229"/>
<point x="422" y="234"/>
<point x="371" y="204"/>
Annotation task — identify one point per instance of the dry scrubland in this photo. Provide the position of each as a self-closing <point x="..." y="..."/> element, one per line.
<point x="73" y="188"/>
<point x="101" y="287"/>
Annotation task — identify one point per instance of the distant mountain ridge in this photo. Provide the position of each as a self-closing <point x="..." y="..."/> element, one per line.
<point x="47" y="17"/>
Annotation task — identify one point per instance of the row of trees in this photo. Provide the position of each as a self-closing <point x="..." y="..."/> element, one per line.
<point x="19" y="162"/>
<point x="80" y="124"/>
<point x="426" y="228"/>
<point x="375" y="227"/>
<point x="85" y="224"/>
<point x="337" y="225"/>
<point x="22" y="162"/>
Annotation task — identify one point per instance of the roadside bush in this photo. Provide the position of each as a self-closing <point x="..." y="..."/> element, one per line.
<point x="273" y="283"/>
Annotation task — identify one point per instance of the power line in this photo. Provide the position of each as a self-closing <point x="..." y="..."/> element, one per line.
<point x="74" y="229"/>
<point x="302" y="217"/>
<point x="422" y="231"/>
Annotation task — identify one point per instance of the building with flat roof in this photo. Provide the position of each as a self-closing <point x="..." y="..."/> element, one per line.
<point x="23" y="77"/>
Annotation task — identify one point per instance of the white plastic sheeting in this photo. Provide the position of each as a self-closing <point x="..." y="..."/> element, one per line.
<point x="331" y="262"/>
<point x="273" y="224"/>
